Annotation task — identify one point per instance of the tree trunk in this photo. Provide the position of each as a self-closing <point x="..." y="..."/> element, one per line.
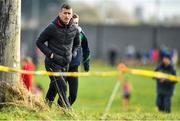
<point x="10" y="16"/>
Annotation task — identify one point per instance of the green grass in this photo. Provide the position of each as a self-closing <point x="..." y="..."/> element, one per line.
<point x="93" y="96"/>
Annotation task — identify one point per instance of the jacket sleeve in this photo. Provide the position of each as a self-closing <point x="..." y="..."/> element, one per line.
<point x="44" y="37"/>
<point x="158" y="68"/>
<point x="173" y="71"/>
<point x="76" y="43"/>
<point x="85" y="49"/>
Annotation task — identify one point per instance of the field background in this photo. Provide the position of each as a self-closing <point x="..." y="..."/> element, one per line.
<point x="93" y="96"/>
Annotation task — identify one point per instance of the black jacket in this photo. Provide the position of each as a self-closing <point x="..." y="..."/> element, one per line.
<point x="165" y="87"/>
<point x="62" y="40"/>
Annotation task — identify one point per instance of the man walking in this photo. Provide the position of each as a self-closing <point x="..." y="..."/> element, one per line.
<point x="73" y="67"/>
<point x="62" y="39"/>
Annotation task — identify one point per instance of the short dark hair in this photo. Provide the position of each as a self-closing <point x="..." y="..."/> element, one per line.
<point x="75" y="15"/>
<point x="66" y="6"/>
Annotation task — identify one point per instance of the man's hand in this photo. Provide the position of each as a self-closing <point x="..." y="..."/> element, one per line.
<point x="162" y="80"/>
<point x="86" y="67"/>
<point x="74" y="54"/>
<point x="52" y="55"/>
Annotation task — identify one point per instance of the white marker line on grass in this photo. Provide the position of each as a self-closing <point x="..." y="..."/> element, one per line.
<point x="113" y="94"/>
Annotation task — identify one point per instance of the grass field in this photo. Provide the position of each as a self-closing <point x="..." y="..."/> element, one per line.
<point x="93" y="96"/>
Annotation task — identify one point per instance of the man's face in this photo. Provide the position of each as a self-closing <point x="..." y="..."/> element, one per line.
<point x="76" y="21"/>
<point x="166" y="61"/>
<point x="66" y="15"/>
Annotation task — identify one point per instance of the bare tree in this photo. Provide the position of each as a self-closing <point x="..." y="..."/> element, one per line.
<point x="10" y="16"/>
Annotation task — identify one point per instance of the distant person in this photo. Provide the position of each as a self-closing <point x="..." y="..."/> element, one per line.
<point x="155" y="55"/>
<point x="127" y="89"/>
<point x="27" y="79"/>
<point x="76" y="60"/>
<point x="112" y="57"/>
<point x="175" y="57"/>
<point x="145" y="57"/>
<point x="62" y="38"/>
<point x="165" y="87"/>
<point x="130" y="52"/>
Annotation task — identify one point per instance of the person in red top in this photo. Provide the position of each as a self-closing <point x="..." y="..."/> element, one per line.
<point x="27" y="79"/>
<point x="155" y="55"/>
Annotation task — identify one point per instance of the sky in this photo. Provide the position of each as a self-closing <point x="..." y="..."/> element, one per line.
<point x="167" y="8"/>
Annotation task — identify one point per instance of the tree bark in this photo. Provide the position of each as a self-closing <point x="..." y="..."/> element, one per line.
<point x="10" y="16"/>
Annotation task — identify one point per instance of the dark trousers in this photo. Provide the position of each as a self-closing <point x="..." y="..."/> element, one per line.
<point x="57" y="85"/>
<point x="73" y="84"/>
<point x="164" y="102"/>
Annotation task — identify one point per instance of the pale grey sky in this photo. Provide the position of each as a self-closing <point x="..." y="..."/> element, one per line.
<point x="168" y="8"/>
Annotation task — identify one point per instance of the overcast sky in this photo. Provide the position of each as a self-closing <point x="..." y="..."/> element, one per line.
<point x="167" y="8"/>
